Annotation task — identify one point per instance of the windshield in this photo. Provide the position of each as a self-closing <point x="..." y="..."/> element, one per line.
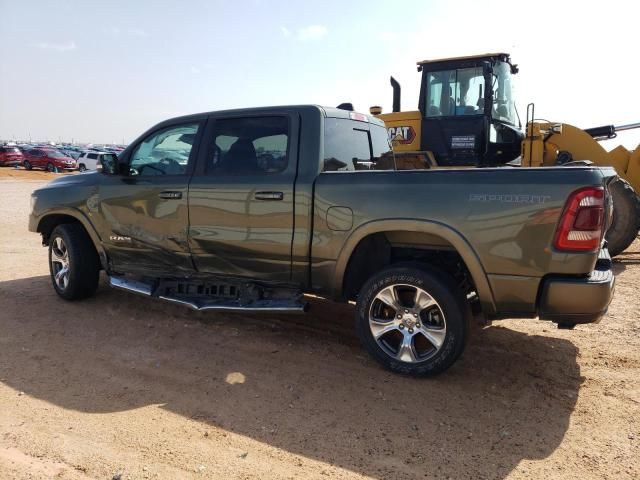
<point x="504" y="108"/>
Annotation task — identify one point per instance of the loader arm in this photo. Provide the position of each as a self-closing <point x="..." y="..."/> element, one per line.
<point x="550" y="144"/>
<point x="545" y="141"/>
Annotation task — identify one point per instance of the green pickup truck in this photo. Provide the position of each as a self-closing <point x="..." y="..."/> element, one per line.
<point x="248" y="210"/>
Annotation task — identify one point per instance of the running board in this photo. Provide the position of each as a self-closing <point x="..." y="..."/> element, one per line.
<point x="131" y="286"/>
<point x="279" y="305"/>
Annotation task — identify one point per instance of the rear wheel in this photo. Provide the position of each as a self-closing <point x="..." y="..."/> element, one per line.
<point x="51" y="167"/>
<point x="412" y="321"/>
<point x="73" y="262"/>
<point x="626" y="217"/>
<point x="27" y="165"/>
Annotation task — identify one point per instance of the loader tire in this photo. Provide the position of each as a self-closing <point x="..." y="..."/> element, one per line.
<point x="626" y="217"/>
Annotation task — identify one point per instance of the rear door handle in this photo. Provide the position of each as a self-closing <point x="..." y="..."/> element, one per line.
<point x="170" y="195"/>
<point x="269" y="196"/>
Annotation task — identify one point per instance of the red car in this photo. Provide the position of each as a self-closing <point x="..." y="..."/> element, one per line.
<point x="10" y="156"/>
<point x="47" y="158"/>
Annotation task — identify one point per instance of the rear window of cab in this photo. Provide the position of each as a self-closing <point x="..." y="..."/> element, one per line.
<point x="351" y="145"/>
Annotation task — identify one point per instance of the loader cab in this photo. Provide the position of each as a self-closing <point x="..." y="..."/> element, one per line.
<point x="468" y="111"/>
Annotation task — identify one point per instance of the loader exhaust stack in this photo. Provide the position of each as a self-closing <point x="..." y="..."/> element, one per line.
<point x="396" y="94"/>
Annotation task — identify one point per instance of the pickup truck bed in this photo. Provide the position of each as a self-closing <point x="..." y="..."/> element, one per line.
<point x="501" y="221"/>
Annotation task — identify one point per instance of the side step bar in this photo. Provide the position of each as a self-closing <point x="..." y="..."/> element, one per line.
<point x="131" y="286"/>
<point x="219" y="305"/>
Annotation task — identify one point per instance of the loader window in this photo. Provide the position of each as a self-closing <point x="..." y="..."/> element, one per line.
<point x="455" y="92"/>
<point x="503" y="105"/>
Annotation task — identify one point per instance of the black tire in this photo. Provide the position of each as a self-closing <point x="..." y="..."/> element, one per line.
<point x="81" y="259"/>
<point x="82" y="167"/>
<point x="51" y="167"/>
<point x="626" y="217"/>
<point x="566" y="325"/>
<point x="27" y="165"/>
<point x="450" y="304"/>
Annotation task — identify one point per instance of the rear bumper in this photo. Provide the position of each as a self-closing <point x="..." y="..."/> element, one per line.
<point x="578" y="300"/>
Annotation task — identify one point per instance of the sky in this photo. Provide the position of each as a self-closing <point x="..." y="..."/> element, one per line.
<point x="105" y="71"/>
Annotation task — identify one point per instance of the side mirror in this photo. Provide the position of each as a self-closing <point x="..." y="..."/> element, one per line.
<point x="108" y="166"/>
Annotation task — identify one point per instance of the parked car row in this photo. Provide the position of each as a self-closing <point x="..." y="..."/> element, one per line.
<point x="55" y="159"/>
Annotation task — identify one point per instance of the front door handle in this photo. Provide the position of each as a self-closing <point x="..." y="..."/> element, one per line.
<point x="269" y="196"/>
<point x="170" y="195"/>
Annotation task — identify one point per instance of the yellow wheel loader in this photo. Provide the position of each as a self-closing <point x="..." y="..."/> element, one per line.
<point x="467" y="117"/>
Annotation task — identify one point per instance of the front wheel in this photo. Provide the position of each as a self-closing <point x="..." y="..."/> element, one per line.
<point x="27" y="165"/>
<point x="82" y="168"/>
<point x="412" y="321"/>
<point x="73" y="262"/>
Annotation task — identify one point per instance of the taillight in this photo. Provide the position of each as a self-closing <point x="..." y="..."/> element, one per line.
<point x="580" y="227"/>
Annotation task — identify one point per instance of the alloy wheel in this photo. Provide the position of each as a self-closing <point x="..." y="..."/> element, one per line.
<point x="60" y="263"/>
<point x="407" y="323"/>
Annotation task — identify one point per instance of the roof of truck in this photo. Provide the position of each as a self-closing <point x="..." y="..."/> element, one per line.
<point x="329" y="112"/>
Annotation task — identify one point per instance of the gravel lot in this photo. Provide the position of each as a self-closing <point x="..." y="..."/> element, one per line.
<point x="120" y="384"/>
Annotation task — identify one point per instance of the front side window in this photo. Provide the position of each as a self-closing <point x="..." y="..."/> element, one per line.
<point x="351" y="145"/>
<point x="455" y="92"/>
<point x="251" y="145"/>
<point x="164" y="153"/>
<point x="93" y="156"/>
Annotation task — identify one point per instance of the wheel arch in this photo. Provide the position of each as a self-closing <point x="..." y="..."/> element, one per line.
<point x="391" y="231"/>
<point x="49" y="221"/>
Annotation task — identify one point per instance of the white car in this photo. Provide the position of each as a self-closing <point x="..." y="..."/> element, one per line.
<point x="91" y="160"/>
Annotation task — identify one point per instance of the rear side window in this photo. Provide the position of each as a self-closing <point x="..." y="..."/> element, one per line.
<point x="350" y="145"/>
<point x="251" y="145"/>
<point x="92" y="156"/>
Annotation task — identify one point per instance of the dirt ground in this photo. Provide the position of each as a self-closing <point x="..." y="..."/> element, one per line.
<point x="123" y="385"/>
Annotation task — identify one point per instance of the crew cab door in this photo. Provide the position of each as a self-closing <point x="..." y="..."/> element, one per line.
<point x="241" y="197"/>
<point x="143" y="212"/>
